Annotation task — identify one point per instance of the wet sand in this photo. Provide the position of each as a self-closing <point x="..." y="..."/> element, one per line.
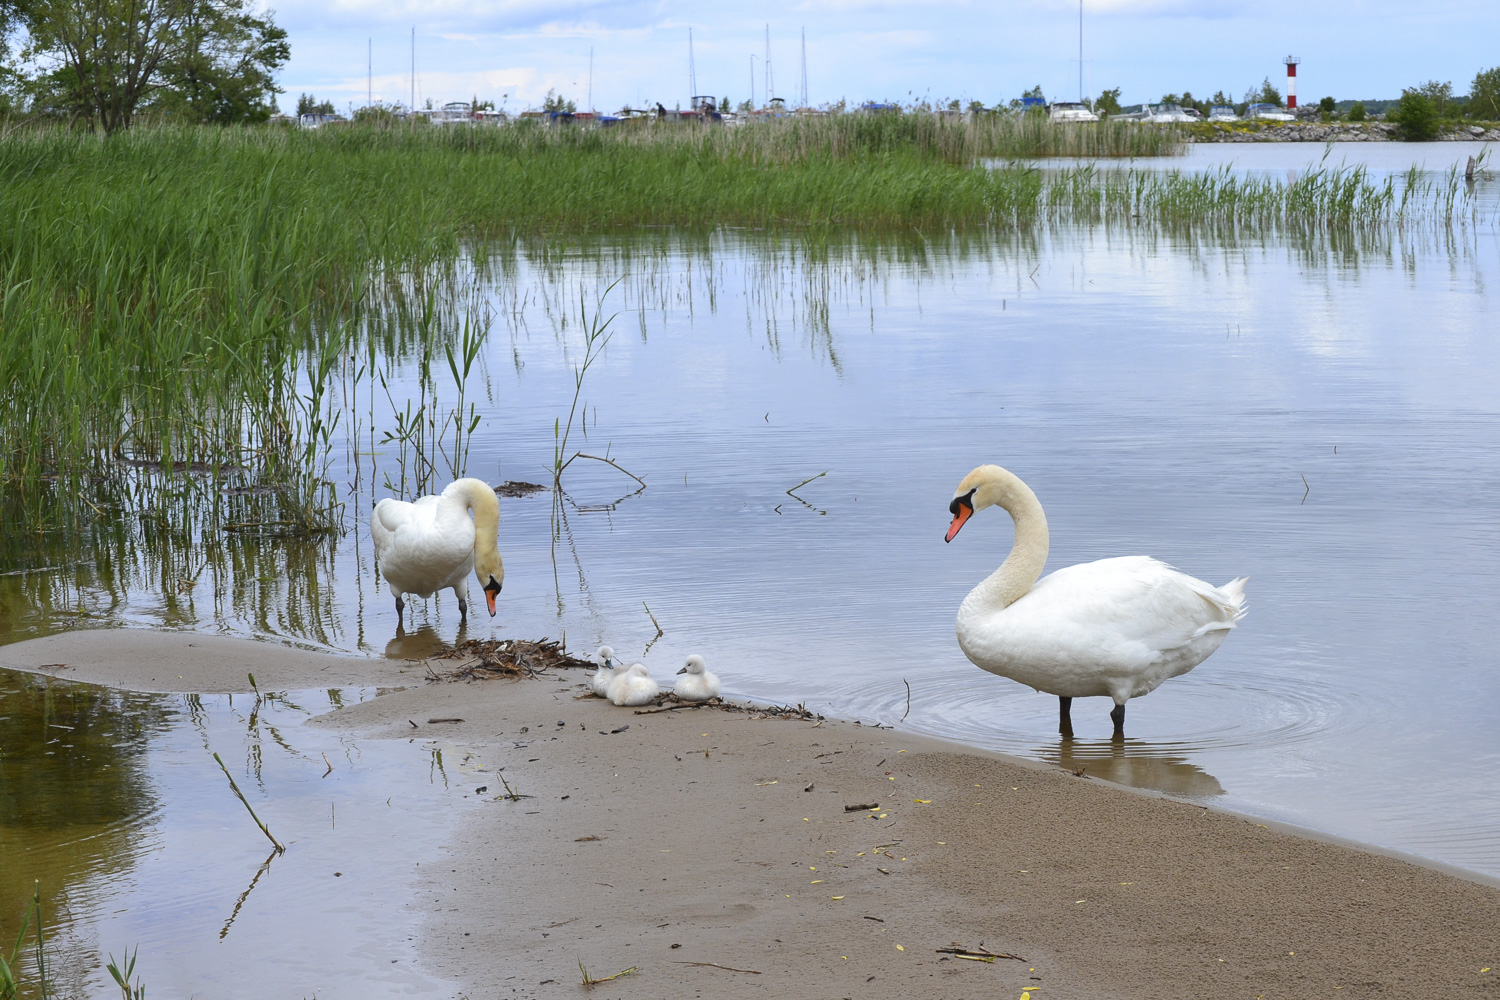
<point x="713" y="852"/>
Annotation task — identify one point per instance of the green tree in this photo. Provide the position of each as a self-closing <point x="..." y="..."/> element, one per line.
<point x="1357" y="112"/>
<point x="1108" y="102"/>
<point x="1415" y="116"/>
<point x="554" y="102"/>
<point x="1267" y="94"/>
<point x="1439" y="95"/>
<point x="1484" y="95"/>
<point x="223" y="69"/>
<point x="105" y="60"/>
<point x="1328" y="105"/>
<point x="307" y="104"/>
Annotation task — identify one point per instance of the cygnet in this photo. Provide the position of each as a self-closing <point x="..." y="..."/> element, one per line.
<point x="700" y="684"/>
<point x="599" y="679"/>
<point x="633" y="686"/>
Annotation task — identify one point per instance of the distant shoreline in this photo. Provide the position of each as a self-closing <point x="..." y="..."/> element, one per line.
<point x="1326" y="132"/>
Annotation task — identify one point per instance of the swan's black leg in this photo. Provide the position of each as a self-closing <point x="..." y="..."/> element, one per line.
<point x="1065" y="717"/>
<point x="1118" y="717"/>
<point x="463" y="612"/>
<point x="400" y="610"/>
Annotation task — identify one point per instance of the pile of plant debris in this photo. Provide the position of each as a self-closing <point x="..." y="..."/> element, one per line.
<point x="494" y="658"/>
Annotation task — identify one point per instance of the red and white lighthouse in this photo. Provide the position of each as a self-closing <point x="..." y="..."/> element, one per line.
<point x="1291" y="81"/>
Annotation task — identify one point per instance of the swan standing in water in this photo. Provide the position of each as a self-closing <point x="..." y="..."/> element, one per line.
<point x="430" y="544"/>
<point x="1116" y="627"/>
<point x="633" y="686"/>
<point x="600" y="679"/>
<point x="700" y="684"/>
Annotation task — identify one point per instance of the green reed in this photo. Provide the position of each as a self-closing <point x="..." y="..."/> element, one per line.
<point x="176" y="302"/>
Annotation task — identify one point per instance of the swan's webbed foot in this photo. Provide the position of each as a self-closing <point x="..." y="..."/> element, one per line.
<point x="1117" y="716"/>
<point x="1065" y="717"/>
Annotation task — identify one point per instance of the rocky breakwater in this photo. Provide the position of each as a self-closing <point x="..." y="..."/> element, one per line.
<point x="1327" y="132"/>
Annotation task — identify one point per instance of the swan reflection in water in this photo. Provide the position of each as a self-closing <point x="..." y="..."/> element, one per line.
<point x="419" y="645"/>
<point x="1137" y="763"/>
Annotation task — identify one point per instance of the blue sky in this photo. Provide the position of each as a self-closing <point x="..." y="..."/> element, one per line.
<point x="515" y="50"/>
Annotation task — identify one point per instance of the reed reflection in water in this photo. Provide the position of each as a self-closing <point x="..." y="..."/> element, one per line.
<point x="113" y="801"/>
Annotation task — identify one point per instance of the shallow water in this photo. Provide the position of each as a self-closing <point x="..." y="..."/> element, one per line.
<point x="1316" y="411"/>
<point x="113" y="801"/>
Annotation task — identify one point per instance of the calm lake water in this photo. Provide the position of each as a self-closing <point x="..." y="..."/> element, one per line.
<point x="113" y="801"/>
<point x="1318" y="412"/>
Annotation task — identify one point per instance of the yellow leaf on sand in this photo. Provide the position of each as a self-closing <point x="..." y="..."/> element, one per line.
<point x="816" y="881"/>
<point x="899" y="948"/>
<point x="838" y="897"/>
<point x="806" y="820"/>
<point x="1026" y="995"/>
<point x="811" y="868"/>
<point x="924" y="802"/>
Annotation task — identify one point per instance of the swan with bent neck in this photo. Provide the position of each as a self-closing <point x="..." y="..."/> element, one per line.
<point x="430" y="544"/>
<point x="1114" y="628"/>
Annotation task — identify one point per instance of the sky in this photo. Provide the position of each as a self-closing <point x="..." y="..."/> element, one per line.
<point x="514" y="51"/>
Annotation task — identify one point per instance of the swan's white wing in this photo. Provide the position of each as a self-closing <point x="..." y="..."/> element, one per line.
<point x="1132" y="601"/>
<point x="1117" y="626"/>
<point x="423" y="546"/>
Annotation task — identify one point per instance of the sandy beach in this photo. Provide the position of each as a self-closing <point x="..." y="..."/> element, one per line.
<point x="727" y="854"/>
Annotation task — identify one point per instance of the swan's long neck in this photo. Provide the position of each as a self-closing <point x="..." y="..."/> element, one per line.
<point x="1028" y="554"/>
<point x="481" y="501"/>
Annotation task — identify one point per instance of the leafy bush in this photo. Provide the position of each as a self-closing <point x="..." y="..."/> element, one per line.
<point x="1108" y="102"/>
<point x="1328" y="105"/>
<point x="1357" y="113"/>
<point x="1484" y="95"/>
<point x="1415" y="116"/>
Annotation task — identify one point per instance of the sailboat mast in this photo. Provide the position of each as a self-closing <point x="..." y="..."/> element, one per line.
<point x="692" y="69"/>
<point x="803" y="102"/>
<point x="770" y="80"/>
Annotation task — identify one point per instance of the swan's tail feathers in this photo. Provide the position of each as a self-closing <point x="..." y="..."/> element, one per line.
<point x="1234" y="592"/>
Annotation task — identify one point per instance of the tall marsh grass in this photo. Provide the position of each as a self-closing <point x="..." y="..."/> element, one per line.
<point x="174" y="302"/>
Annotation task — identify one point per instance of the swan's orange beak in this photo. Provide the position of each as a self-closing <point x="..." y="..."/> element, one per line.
<point x="961" y="513"/>
<point x="491" y="591"/>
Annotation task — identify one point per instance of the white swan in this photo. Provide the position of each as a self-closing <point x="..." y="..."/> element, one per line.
<point x="430" y="544"/>
<point x="599" y="679"/>
<point x="633" y="686"/>
<point x="1116" y="627"/>
<point x="700" y="684"/>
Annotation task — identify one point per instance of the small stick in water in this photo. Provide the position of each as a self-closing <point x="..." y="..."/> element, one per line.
<point x="280" y="848"/>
